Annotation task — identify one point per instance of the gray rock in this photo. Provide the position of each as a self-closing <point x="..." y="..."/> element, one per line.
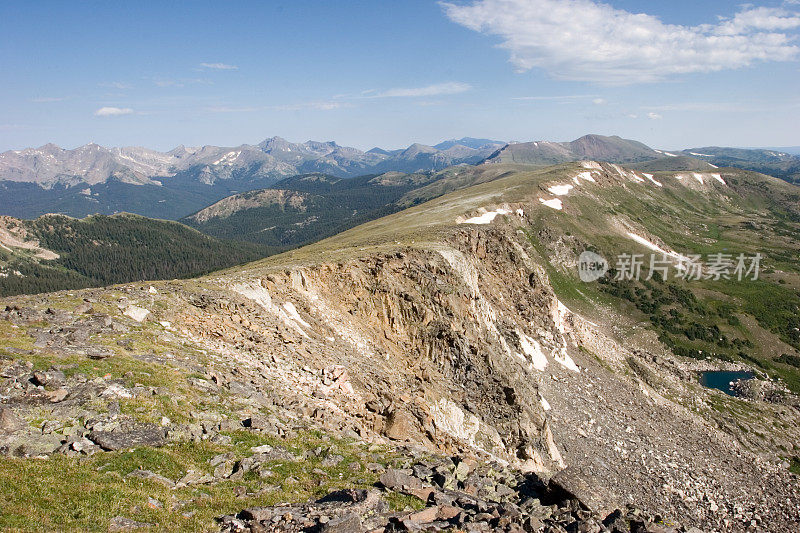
<point x="9" y="421"/>
<point x="349" y="523"/>
<point x="120" y="523"/>
<point x="152" y="476"/>
<point x="332" y="460"/>
<point x="574" y="484"/>
<point x="395" y="479"/>
<point x="144" y="435"/>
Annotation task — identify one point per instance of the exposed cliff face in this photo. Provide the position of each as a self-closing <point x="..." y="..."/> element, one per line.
<point x="445" y="346"/>
<point x="446" y="336"/>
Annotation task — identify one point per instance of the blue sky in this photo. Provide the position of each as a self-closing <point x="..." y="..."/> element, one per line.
<point x="672" y="74"/>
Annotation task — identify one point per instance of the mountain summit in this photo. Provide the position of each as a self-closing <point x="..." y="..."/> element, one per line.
<point x="593" y="147"/>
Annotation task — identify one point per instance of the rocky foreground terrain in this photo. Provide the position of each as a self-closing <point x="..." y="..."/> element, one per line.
<point x="423" y="380"/>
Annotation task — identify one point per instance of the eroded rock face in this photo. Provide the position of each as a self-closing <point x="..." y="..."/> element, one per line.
<point x="462" y="350"/>
<point x="436" y="334"/>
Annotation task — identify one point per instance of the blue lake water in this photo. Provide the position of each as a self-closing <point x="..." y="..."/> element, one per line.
<point x="721" y="380"/>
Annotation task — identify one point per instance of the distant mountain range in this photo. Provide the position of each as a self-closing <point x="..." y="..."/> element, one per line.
<point x="92" y="179"/>
<point x="590" y="147"/>
<point x="780" y="164"/>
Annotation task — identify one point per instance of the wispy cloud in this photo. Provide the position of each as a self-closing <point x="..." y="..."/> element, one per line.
<point x="564" y="97"/>
<point x="586" y="40"/>
<point x="438" y="89"/>
<point x="113" y="111"/>
<point x="654" y="116"/>
<point x="725" y="107"/>
<point x="47" y="99"/>
<point x="116" y="85"/>
<point x="232" y="109"/>
<point x="168" y="82"/>
<point x="320" y="106"/>
<point x="218" y="66"/>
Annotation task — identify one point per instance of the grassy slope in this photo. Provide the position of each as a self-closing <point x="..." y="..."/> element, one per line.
<point x="102" y="250"/>
<point x="71" y="494"/>
<point x="754" y="213"/>
<point x="683" y="219"/>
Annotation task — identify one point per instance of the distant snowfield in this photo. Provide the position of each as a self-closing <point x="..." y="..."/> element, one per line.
<point x="627" y="173"/>
<point x="653" y="246"/>
<point x="702" y="177"/>
<point x="560" y="190"/>
<point x="228" y="158"/>
<point x="555" y="203"/>
<point x="487" y="217"/>
<point x="651" y="178"/>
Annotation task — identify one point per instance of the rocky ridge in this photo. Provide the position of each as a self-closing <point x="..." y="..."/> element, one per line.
<point x="457" y="345"/>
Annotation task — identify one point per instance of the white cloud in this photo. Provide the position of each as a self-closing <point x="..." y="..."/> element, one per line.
<point x="599" y="101"/>
<point x="438" y="89"/>
<point x="231" y="109"/>
<point x="116" y="85"/>
<point x="219" y="66"/>
<point x="113" y="111"/>
<point x="321" y="106"/>
<point x="559" y="97"/>
<point x="588" y="41"/>
<point x="654" y="116"/>
<point x="168" y="82"/>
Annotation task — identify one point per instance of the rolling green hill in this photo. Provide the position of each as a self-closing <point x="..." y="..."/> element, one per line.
<point x="774" y="163"/>
<point x="306" y="208"/>
<point x="56" y="252"/>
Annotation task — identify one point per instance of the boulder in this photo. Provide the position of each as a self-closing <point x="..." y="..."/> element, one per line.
<point x="9" y="421"/>
<point x="144" y="435"/>
<point x="395" y="479"/>
<point x="139" y="314"/>
<point x="349" y="523"/>
<point x="572" y="483"/>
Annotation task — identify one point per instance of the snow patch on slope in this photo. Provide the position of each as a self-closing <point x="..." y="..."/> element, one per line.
<point x="487" y="217"/>
<point x="651" y="178"/>
<point x="560" y="190"/>
<point x="228" y="158"/>
<point x="653" y="246"/>
<point x="533" y="350"/>
<point x="555" y="203"/>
